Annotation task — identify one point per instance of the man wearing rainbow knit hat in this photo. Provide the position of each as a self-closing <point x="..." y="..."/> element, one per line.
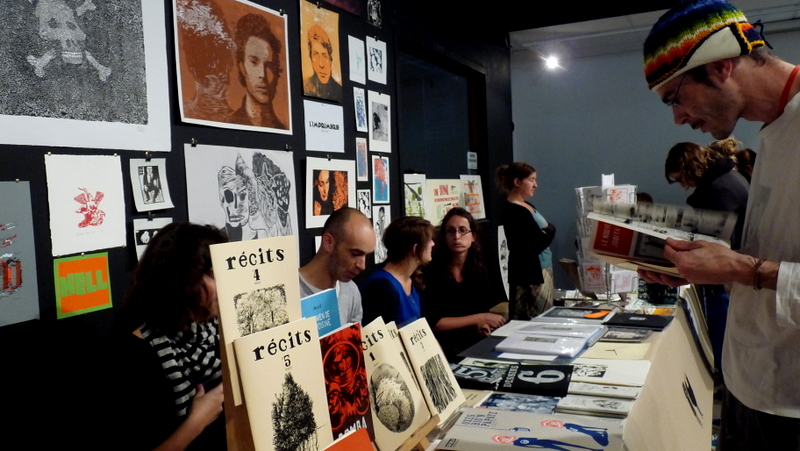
<point x="711" y="67"/>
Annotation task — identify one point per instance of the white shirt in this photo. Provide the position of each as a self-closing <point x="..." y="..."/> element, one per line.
<point x="761" y="354"/>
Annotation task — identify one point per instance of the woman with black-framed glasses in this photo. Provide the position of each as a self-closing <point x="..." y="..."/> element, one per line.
<point x="457" y="291"/>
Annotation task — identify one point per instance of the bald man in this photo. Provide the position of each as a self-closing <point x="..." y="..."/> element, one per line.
<point x="347" y="239"/>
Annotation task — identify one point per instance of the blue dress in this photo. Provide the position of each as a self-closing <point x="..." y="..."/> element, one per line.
<point x="383" y="295"/>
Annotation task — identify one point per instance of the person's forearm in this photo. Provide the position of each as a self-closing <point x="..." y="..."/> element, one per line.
<point x="456" y="322"/>
<point x="181" y="438"/>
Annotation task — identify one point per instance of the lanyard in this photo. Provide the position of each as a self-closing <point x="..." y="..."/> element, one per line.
<point x="787" y="88"/>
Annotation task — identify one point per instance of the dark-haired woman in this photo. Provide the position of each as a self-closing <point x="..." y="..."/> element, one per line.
<point x="457" y="292"/>
<point x="393" y="292"/>
<point x="529" y="236"/>
<point x="168" y="346"/>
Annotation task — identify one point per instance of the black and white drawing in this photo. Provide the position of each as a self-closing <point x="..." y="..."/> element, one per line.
<point x="502" y="255"/>
<point x="144" y="230"/>
<point x="358" y="64"/>
<point x="434" y="372"/>
<point x="374" y="15"/>
<point x="360" y="106"/>
<point x="149" y="183"/>
<point x="521" y="403"/>
<point x="249" y="192"/>
<point x="380" y="122"/>
<point x="261" y="309"/>
<point x="391" y="399"/>
<point x="293" y="422"/>
<point x="79" y="69"/>
<point x="364" y="202"/>
<point x="381" y="217"/>
<point x="376" y="60"/>
<point x="585" y="370"/>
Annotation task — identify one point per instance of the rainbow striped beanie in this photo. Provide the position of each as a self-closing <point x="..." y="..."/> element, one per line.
<point x="695" y="33"/>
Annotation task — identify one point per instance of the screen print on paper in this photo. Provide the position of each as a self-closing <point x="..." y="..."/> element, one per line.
<point x="19" y="296"/>
<point x="251" y="193"/>
<point x="233" y="70"/>
<point x="63" y="61"/>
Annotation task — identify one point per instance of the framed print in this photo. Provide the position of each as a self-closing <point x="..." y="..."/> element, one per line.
<point x="329" y="186"/>
<point x="380" y="180"/>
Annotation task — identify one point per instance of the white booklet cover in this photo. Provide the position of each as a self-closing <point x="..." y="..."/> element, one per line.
<point x="611" y="372"/>
<point x="562" y="330"/>
<point x="609" y="391"/>
<point x="594" y="405"/>
<point x="541" y="344"/>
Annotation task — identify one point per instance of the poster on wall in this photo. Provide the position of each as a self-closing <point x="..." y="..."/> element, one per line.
<point x="364" y="202"/>
<point x="87" y="205"/>
<point x="414" y="189"/>
<point x="149" y="183"/>
<point x="319" y="52"/>
<point x="376" y="60"/>
<point x="92" y="74"/>
<point x="360" y="108"/>
<point x="380" y="180"/>
<point x="472" y="196"/>
<point x="358" y="65"/>
<point x="374" y="14"/>
<point x="502" y="257"/>
<point x="442" y="194"/>
<point x="324" y="126"/>
<point x="251" y="193"/>
<point x="380" y="122"/>
<point x="362" y="161"/>
<point x="19" y="288"/>
<point x="233" y="69"/>
<point x="381" y="217"/>
<point x="330" y="186"/>
<point x="82" y="284"/>
<point x="144" y="230"/>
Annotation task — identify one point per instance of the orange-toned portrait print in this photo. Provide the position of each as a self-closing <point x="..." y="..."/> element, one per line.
<point x="319" y="52"/>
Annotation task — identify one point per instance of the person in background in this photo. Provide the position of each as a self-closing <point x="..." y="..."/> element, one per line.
<point x="167" y="351"/>
<point x="530" y="265"/>
<point x="745" y="161"/>
<point x="393" y="292"/>
<point x="347" y="239"/>
<point x="457" y="292"/>
<point x="711" y="171"/>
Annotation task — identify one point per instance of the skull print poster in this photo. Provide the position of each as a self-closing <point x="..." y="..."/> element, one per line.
<point x="93" y="73"/>
<point x="233" y="66"/>
<point x="87" y="205"/>
<point x="251" y="193"/>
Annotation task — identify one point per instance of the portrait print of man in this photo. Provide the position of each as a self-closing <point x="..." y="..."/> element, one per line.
<point x="380" y="193"/>
<point x="319" y="28"/>
<point x="233" y="66"/>
<point x="258" y="53"/>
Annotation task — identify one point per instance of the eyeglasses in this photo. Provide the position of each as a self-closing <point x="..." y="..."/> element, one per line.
<point x="461" y="231"/>
<point x="674" y="100"/>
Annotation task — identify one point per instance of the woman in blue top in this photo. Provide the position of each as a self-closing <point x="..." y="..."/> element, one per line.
<point x="392" y="292"/>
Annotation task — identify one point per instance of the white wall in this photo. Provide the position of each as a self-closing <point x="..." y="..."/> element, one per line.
<point x="596" y="116"/>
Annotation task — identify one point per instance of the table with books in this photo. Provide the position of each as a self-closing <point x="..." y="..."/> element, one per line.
<point x="586" y="378"/>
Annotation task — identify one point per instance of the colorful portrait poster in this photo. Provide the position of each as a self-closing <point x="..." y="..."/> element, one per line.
<point x="92" y="74"/>
<point x="319" y="52"/>
<point x="330" y="186"/>
<point x="251" y="193"/>
<point x="149" y="184"/>
<point x="380" y="180"/>
<point x="362" y="165"/>
<point x="19" y="289"/>
<point x="472" y="196"/>
<point x="87" y="204"/>
<point x="233" y="66"/>
<point x="82" y="284"/>
<point x="380" y="122"/>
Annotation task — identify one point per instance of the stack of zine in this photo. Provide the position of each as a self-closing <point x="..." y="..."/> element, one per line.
<point x="551" y="338"/>
<point x="601" y="387"/>
<point x="543" y="380"/>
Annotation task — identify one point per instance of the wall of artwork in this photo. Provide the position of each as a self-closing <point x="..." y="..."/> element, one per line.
<point x="119" y="116"/>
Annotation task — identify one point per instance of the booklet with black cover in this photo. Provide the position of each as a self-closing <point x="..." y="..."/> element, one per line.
<point x="543" y="380"/>
<point x="654" y="322"/>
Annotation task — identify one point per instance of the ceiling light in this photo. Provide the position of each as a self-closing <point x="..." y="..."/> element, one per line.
<point x="551" y="62"/>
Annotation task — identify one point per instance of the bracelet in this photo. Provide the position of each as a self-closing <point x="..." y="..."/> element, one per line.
<point x="757" y="279"/>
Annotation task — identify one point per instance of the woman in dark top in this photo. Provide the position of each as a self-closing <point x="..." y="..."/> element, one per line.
<point x="167" y="346"/>
<point x="711" y="171"/>
<point x="531" y="287"/>
<point x="457" y="292"/>
<point x="393" y="292"/>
